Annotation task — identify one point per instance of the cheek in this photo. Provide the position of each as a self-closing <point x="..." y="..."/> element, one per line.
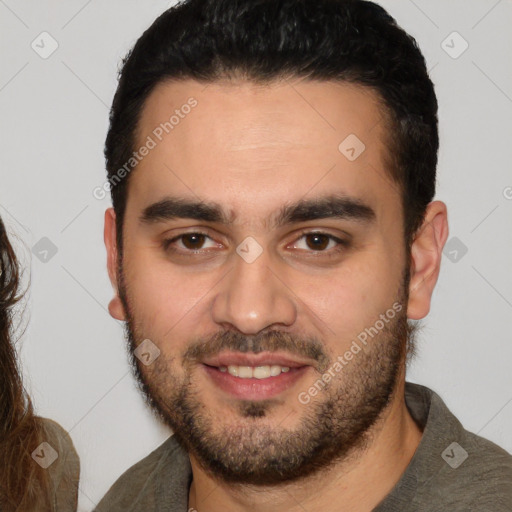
<point x="163" y="299"/>
<point x="352" y="298"/>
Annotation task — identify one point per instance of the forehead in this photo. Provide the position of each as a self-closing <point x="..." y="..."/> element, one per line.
<point x="239" y="142"/>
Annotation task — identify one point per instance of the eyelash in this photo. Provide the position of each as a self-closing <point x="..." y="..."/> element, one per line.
<point x="342" y="244"/>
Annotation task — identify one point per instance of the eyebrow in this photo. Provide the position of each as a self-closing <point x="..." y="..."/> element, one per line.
<point x="332" y="206"/>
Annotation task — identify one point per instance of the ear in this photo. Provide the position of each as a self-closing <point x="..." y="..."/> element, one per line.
<point x="115" y="306"/>
<point x="426" y="255"/>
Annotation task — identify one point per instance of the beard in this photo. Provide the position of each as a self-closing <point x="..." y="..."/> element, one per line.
<point x="249" y="451"/>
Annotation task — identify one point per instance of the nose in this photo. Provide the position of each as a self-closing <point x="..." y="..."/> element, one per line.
<point x="253" y="297"/>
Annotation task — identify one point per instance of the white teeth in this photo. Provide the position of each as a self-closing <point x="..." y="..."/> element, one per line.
<point x="244" y="372"/>
<point x="275" y="370"/>
<point x="258" y="372"/>
<point x="262" y="372"/>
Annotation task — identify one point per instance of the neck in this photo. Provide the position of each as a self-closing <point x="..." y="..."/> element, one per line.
<point x="356" y="484"/>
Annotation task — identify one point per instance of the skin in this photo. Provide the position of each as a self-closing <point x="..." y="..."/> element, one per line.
<point x="252" y="149"/>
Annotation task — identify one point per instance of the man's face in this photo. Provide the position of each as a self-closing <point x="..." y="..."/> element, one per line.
<point x="259" y="287"/>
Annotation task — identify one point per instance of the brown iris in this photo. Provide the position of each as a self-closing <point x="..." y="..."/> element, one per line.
<point x="193" y="240"/>
<point x="320" y="241"/>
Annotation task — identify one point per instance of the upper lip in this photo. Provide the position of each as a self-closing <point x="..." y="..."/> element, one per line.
<point x="262" y="359"/>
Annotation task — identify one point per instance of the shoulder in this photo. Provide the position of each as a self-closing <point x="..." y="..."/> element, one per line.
<point x="161" y="477"/>
<point x="61" y="447"/>
<point x="484" y="477"/>
<point x="465" y="471"/>
<point x="57" y="454"/>
<point x="56" y="433"/>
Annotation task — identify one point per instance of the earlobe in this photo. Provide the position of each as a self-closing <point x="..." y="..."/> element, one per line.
<point x="115" y="306"/>
<point x="116" y="309"/>
<point x="426" y="255"/>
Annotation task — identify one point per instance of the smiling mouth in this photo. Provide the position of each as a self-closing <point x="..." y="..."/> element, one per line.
<point x="254" y="372"/>
<point x="254" y="382"/>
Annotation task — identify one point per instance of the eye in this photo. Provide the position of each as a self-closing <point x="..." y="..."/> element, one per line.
<point x="197" y="242"/>
<point x="319" y="242"/>
<point x="188" y="242"/>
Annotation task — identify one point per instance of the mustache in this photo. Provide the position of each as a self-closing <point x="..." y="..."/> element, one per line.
<point x="272" y="341"/>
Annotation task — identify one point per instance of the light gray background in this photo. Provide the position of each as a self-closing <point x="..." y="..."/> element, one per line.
<point x="54" y="115"/>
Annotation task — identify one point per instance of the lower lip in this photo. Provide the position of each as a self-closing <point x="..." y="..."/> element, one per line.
<point x="255" y="389"/>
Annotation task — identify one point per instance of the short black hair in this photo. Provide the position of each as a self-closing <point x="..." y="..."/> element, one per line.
<point x="351" y="41"/>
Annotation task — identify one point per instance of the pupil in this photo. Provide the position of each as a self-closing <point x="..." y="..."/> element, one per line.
<point x="318" y="238"/>
<point x="191" y="241"/>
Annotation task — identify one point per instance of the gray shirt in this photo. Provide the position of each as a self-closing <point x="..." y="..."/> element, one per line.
<point x="452" y="470"/>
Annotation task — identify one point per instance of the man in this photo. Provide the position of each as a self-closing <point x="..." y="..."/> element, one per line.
<point x="272" y="169"/>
